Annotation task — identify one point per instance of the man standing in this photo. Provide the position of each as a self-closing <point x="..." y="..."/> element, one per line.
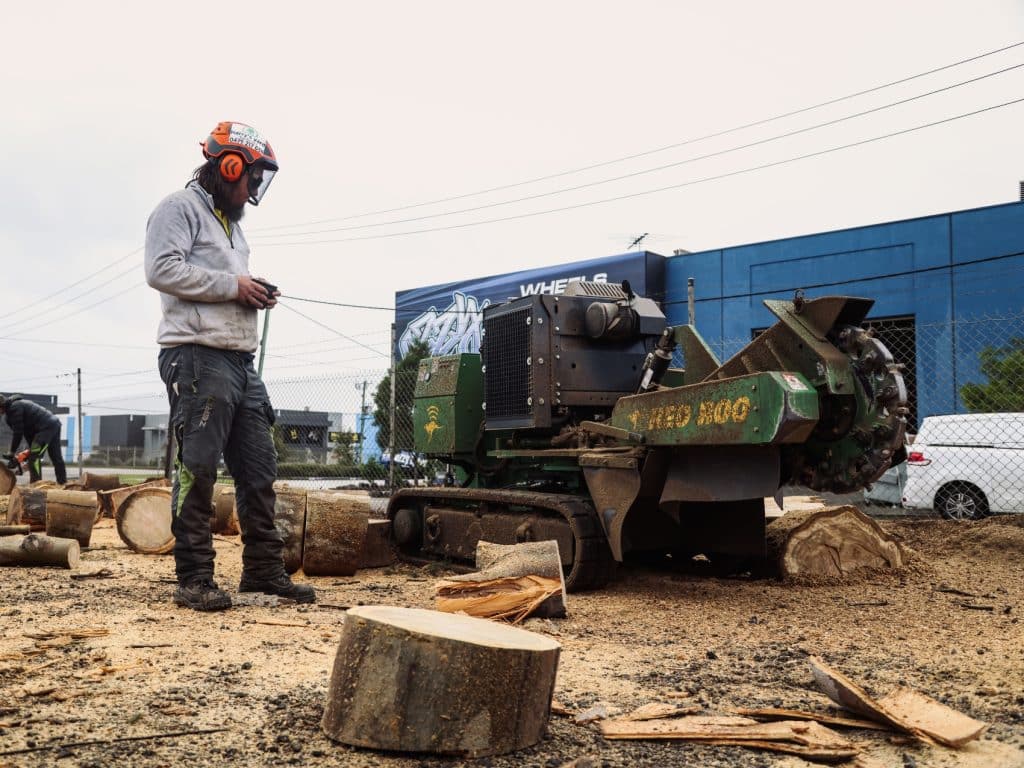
<point x="198" y="258"/>
<point x="41" y="430"/>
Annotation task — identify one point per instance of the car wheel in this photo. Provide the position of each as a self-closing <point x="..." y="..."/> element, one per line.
<point x="961" y="501"/>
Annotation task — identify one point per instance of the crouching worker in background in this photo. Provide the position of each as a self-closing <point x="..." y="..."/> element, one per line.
<point x="198" y="259"/>
<point x="41" y="430"/>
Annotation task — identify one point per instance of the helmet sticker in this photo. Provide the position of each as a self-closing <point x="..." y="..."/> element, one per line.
<point x="245" y="136"/>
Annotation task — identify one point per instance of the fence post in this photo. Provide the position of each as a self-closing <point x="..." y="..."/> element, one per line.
<point x="391" y="434"/>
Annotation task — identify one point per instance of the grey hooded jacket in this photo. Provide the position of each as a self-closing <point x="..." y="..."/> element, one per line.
<point x="195" y="265"/>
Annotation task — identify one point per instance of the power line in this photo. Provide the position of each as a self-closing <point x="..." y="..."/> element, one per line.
<point x="643" y="193"/>
<point x="69" y="287"/>
<point x="31" y="322"/>
<point x="338" y="303"/>
<point x="645" y="171"/>
<point x="834" y="283"/>
<point x="676" y="145"/>
<point x="75" y="343"/>
<point x="332" y="330"/>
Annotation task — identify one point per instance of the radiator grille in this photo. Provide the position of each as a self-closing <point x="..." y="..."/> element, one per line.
<point x="507" y="381"/>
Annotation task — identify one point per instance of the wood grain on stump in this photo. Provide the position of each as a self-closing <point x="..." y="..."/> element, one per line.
<point x="144" y="521"/>
<point x="290" y="521"/>
<point x="377" y="549"/>
<point x="830" y="542"/>
<point x="70" y="515"/>
<point x="335" y="534"/>
<point x="36" y="549"/>
<point x="414" y="680"/>
<point x="109" y="501"/>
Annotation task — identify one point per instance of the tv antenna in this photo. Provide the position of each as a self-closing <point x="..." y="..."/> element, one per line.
<point x="637" y="241"/>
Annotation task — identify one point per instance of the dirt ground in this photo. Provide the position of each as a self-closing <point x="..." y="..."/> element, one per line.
<point x="948" y="626"/>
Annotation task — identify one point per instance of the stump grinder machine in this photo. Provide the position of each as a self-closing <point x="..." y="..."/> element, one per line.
<point x="572" y="425"/>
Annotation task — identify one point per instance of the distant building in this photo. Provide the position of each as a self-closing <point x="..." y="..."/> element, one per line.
<point x="304" y="434"/>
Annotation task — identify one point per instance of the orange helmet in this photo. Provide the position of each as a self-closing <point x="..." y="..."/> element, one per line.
<point x="237" y="149"/>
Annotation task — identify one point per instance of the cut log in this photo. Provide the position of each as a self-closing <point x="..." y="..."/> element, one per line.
<point x="70" y="515"/>
<point x="109" y="501"/>
<point x="15" y="530"/>
<point x="514" y="581"/>
<point x="99" y="482"/>
<point x="36" y="549"/>
<point x="831" y="542"/>
<point x="335" y="533"/>
<point x="144" y="521"/>
<point x="377" y="549"/>
<point x="413" y="680"/>
<point x="290" y="521"/>
<point x="28" y="505"/>
<point x="7" y="480"/>
<point x="225" y="516"/>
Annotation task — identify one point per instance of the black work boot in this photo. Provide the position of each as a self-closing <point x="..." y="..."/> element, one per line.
<point x="202" y="594"/>
<point x="282" y="586"/>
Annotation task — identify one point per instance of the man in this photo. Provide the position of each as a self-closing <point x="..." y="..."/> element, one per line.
<point x="41" y="430"/>
<point x="197" y="257"/>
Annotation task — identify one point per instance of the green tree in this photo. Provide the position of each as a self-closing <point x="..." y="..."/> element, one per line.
<point x="405" y="384"/>
<point x="1004" y="392"/>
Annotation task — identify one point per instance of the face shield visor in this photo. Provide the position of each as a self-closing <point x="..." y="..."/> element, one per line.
<point x="259" y="177"/>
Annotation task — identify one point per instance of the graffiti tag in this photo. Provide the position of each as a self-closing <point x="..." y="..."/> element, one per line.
<point x="455" y="329"/>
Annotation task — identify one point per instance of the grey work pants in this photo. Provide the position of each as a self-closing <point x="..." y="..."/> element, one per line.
<point x="219" y="406"/>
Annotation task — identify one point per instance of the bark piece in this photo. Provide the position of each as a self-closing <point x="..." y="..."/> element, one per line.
<point x="830" y="542"/>
<point x="335" y="533"/>
<point x="225" y="515"/>
<point x="805" y="738"/>
<point x="904" y="709"/>
<point x="94" y="481"/>
<point x="36" y="549"/>
<point x="109" y="501"/>
<point x="70" y="515"/>
<point x="7" y="480"/>
<point x="377" y="549"/>
<point x="144" y="521"/>
<point x="413" y="680"/>
<point x="290" y="521"/>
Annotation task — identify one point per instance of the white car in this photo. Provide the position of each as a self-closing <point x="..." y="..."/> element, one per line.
<point x="966" y="466"/>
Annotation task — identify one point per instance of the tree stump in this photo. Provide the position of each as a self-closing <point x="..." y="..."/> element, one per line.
<point x="290" y="521"/>
<point x="335" y="534"/>
<point x="70" y="515"/>
<point x="109" y="501"/>
<point x="831" y="542"/>
<point x="28" y="505"/>
<point x="7" y="480"/>
<point x="35" y="549"/>
<point x="225" y="515"/>
<point x="99" y="482"/>
<point x="377" y="549"/>
<point x="15" y="530"/>
<point x="414" y="680"/>
<point x="144" y="521"/>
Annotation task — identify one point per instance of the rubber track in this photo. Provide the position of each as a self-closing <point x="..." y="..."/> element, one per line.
<point x="592" y="565"/>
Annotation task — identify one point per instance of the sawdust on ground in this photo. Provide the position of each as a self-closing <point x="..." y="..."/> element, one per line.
<point x="947" y="626"/>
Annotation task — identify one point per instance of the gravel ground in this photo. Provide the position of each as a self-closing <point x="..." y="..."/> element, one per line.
<point x="947" y="626"/>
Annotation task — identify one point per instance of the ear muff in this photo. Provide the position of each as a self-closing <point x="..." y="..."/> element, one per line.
<point x="232" y="166"/>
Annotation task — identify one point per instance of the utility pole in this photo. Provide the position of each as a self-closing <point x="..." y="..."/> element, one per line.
<point x="362" y="421"/>
<point x="80" y="430"/>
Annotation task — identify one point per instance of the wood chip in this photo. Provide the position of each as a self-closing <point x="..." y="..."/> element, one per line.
<point x="656" y="711"/>
<point x="280" y="623"/>
<point x="806" y="738"/>
<point x="776" y="713"/>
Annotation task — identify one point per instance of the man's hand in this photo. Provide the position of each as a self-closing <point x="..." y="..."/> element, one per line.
<point x="252" y="294"/>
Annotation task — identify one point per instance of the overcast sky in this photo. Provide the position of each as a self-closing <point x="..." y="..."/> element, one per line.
<point x="381" y="106"/>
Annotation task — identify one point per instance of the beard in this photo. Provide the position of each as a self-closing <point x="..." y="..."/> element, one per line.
<point x="234" y="215"/>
